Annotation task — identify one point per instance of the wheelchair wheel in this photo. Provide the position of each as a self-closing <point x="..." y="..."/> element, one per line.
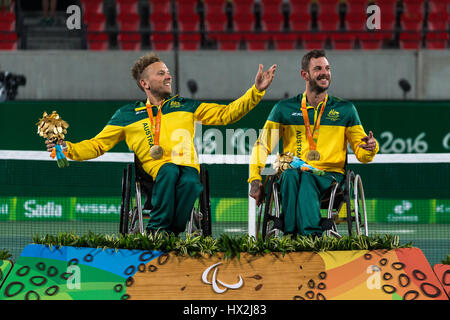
<point x="272" y="221"/>
<point x="355" y="204"/>
<point x="125" y="201"/>
<point x="205" y="204"/>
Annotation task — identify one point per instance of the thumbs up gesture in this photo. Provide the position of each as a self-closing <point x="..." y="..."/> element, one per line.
<point x="370" y="141"/>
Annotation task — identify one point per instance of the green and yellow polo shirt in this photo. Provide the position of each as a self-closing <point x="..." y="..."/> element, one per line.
<point x="132" y="124"/>
<point x="339" y="125"/>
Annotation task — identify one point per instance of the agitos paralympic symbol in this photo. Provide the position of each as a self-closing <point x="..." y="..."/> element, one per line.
<point x="214" y="282"/>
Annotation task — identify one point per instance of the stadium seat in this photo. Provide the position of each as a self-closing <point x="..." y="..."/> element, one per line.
<point x="300" y="21"/>
<point x="226" y="41"/>
<point x="435" y="6"/>
<point x="387" y="7"/>
<point x="97" y="41"/>
<point x="127" y="6"/>
<point x="214" y="6"/>
<point x="242" y="6"/>
<point x="271" y="5"/>
<point x="8" y="41"/>
<point x="160" y="6"/>
<point x="7" y="21"/>
<point x="315" y="40"/>
<point x="272" y="21"/>
<point x="371" y="40"/>
<point x="342" y="40"/>
<point x="285" y="40"/>
<point x="436" y="40"/>
<point x="387" y="21"/>
<point x="414" y="6"/>
<point x="411" y="21"/>
<point x="328" y="6"/>
<point x="256" y="41"/>
<point x="94" y="21"/>
<point x="216" y="21"/>
<point x="356" y="21"/>
<point x="410" y="40"/>
<point x="189" y="41"/>
<point x="92" y="6"/>
<point x="356" y="7"/>
<point x="186" y="7"/>
<point x="128" y="22"/>
<point x="328" y="21"/>
<point x="129" y="41"/>
<point x="299" y="6"/>
<point x="161" y="22"/>
<point x="162" y="41"/>
<point x="188" y="22"/>
<point x="438" y="21"/>
<point x="244" y="22"/>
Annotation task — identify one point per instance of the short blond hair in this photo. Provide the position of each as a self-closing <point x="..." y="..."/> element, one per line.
<point x="141" y="64"/>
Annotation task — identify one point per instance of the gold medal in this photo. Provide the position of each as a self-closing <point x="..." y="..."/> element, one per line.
<point x="156" y="152"/>
<point x="313" y="155"/>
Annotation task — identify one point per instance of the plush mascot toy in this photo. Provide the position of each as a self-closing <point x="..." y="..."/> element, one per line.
<point x="288" y="160"/>
<point x="53" y="128"/>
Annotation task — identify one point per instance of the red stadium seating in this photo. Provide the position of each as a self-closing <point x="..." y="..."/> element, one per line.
<point x="387" y="21"/>
<point x="97" y="41"/>
<point x="8" y="41"/>
<point x="94" y="21"/>
<point x="129" y="41"/>
<point x="214" y="6"/>
<point x="285" y="40"/>
<point x="216" y="22"/>
<point x="271" y="6"/>
<point x="256" y="41"/>
<point x="413" y="6"/>
<point x="436" y="40"/>
<point x="437" y="21"/>
<point x="302" y="6"/>
<point x="316" y="40"/>
<point x="186" y="7"/>
<point x="300" y="21"/>
<point x="227" y="41"/>
<point x="410" y="40"/>
<point x="387" y="6"/>
<point x="189" y="41"/>
<point x="343" y="40"/>
<point x="160" y="6"/>
<point x="435" y="6"/>
<point x="127" y="6"/>
<point x="7" y="21"/>
<point x="92" y="6"/>
<point x="162" y="41"/>
<point x="356" y="7"/>
<point x="244" y="22"/>
<point x="272" y="21"/>
<point x="328" y="21"/>
<point x="328" y="6"/>
<point x="128" y="21"/>
<point x="372" y="40"/>
<point x="411" y="21"/>
<point x="243" y="6"/>
<point x="356" y="22"/>
<point x="188" y="22"/>
<point x="161" y="22"/>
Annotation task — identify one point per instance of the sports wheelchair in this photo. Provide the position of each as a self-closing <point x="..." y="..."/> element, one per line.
<point x="349" y="192"/>
<point x="132" y="216"/>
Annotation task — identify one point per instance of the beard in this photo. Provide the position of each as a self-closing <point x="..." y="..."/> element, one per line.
<point x="315" y="87"/>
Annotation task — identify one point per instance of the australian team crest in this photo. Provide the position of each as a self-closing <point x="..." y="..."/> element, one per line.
<point x="333" y="115"/>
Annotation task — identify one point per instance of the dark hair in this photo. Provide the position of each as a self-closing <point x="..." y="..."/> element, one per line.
<point x="141" y="64"/>
<point x="311" y="54"/>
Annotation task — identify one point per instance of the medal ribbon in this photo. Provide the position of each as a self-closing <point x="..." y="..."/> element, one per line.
<point x="156" y="124"/>
<point x="314" y="136"/>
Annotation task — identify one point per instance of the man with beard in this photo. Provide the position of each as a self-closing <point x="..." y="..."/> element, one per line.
<point x="297" y="121"/>
<point x="160" y="132"/>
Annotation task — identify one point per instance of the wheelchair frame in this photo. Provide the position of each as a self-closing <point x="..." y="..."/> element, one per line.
<point x="132" y="216"/>
<point x="350" y="191"/>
